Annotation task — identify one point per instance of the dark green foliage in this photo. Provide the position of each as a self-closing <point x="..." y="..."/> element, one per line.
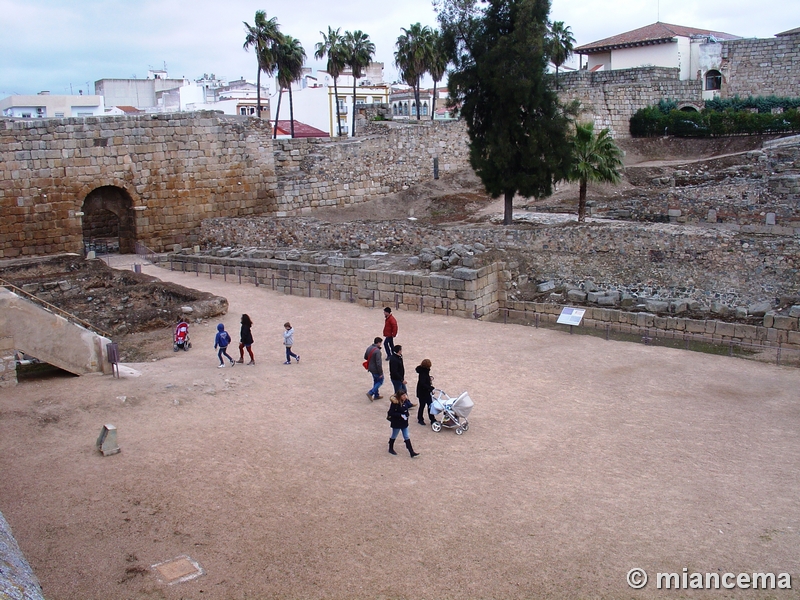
<point x="518" y="130"/>
<point x="732" y="116"/>
<point x="762" y="104"/>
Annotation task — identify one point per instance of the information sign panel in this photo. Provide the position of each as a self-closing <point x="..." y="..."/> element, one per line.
<point x="571" y="316"/>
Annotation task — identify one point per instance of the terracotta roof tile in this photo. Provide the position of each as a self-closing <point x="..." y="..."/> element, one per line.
<point x="657" y="33"/>
<point x="301" y="130"/>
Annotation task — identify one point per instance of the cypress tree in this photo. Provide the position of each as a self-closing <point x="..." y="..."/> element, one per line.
<point x="518" y="130"/>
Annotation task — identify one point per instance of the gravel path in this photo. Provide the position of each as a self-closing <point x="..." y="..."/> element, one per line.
<point x="584" y="459"/>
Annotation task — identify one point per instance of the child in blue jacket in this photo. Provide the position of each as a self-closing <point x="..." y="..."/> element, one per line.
<point x="222" y="341"/>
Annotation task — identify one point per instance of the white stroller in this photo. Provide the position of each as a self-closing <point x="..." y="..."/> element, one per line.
<point x="454" y="411"/>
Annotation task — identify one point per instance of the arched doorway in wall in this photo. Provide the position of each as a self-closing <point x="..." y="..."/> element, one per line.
<point x="108" y="224"/>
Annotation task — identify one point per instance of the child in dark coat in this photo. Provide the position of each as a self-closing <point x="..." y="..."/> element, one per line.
<point x="398" y="419"/>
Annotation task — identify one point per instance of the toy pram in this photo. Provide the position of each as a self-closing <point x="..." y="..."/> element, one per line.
<point x="181" y="339"/>
<point x="454" y="411"/>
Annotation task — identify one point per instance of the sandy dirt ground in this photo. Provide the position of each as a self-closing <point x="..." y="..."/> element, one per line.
<point x="584" y="459"/>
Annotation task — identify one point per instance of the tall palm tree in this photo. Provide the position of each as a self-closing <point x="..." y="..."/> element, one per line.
<point x="262" y="36"/>
<point x="595" y="157"/>
<point x="333" y="45"/>
<point x="289" y="58"/>
<point x="561" y="45"/>
<point x="360" y="51"/>
<point x="414" y="49"/>
<point x="437" y="63"/>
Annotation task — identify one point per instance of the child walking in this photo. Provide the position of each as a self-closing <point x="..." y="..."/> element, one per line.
<point x="222" y="341"/>
<point x="288" y="341"/>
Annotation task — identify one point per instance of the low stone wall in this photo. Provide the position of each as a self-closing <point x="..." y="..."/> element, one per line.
<point x="467" y="292"/>
<point x="777" y="329"/>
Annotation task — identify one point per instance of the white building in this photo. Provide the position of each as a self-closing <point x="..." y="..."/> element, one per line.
<point x="157" y="93"/>
<point x="44" y="105"/>
<point x="695" y="52"/>
<point x="404" y="104"/>
<point x="314" y="99"/>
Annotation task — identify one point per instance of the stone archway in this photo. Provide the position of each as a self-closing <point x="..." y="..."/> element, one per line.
<point x="108" y="219"/>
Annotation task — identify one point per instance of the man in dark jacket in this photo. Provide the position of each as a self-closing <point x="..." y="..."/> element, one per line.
<point x="375" y="367"/>
<point x="397" y="372"/>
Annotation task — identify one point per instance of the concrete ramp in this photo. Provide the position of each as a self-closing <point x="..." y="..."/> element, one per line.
<point x="51" y="338"/>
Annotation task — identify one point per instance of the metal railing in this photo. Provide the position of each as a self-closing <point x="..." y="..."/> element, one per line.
<point x="54" y="309"/>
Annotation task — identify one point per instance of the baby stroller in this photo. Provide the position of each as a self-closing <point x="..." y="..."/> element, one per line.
<point x="181" y="340"/>
<point x="454" y="411"/>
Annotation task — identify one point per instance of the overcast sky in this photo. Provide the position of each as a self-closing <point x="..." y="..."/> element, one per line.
<point x="66" y="45"/>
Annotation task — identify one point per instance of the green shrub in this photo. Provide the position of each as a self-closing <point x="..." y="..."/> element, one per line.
<point x="732" y="116"/>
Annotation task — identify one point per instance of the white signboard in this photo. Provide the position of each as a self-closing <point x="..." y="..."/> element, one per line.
<point x="571" y="316"/>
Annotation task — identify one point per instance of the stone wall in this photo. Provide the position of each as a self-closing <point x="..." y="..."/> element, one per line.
<point x="762" y="67"/>
<point x="782" y="331"/>
<point x="386" y="157"/>
<point x="465" y="292"/>
<point x="730" y="264"/>
<point x="611" y="98"/>
<point x="174" y="170"/>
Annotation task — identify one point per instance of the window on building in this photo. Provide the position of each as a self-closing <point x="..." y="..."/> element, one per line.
<point x="405" y="109"/>
<point x="26" y="115"/>
<point x="713" y="80"/>
<point x="413" y="109"/>
<point x="425" y="109"/>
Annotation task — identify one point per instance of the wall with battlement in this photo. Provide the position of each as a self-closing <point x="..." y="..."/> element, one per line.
<point x="313" y="173"/>
<point x="176" y="170"/>
<point x="762" y="67"/>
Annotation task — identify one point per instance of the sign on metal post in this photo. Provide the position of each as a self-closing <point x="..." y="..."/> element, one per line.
<point x="571" y="316"/>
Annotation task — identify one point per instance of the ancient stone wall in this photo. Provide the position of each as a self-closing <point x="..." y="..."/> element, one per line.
<point x="611" y="98"/>
<point x="759" y="189"/>
<point x="762" y="67"/>
<point x="174" y="170"/>
<point x="464" y="292"/>
<point x="784" y="330"/>
<point x="731" y="264"/>
<point x="387" y="158"/>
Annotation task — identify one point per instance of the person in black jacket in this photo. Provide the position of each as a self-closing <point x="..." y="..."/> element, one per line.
<point x="398" y="419"/>
<point x="424" y="391"/>
<point x="246" y="340"/>
<point x="397" y="372"/>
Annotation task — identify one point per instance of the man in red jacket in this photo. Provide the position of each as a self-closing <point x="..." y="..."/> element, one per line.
<point x="389" y="331"/>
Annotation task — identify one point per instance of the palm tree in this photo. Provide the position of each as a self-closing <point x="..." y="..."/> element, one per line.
<point x="595" y="157"/>
<point x="289" y="58"/>
<point x="360" y="51"/>
<point x="333" y="45"/>
<point x="437" y="63"/>
<point x="414" y="49"/>
<point x="262" y="35"/>
<point x="561" y="45"/>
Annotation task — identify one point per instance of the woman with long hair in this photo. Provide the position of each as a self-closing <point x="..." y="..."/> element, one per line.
<point x="246" y="340"/>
